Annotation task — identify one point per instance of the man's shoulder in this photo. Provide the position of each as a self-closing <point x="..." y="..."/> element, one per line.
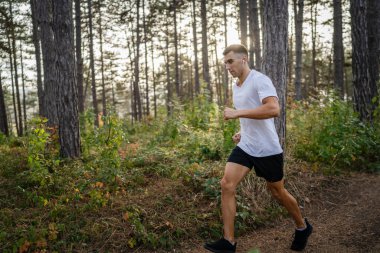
<point x="261" y="77"/>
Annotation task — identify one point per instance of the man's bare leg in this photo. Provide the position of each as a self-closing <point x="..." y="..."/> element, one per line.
<point x="288" y="201"/>
<point x="233" y="174"/>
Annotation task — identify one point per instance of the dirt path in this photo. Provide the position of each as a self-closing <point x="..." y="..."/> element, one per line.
<point x="345" y="216"/>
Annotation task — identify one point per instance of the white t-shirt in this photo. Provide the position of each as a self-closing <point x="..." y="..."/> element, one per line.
<point x="258" y="137"/>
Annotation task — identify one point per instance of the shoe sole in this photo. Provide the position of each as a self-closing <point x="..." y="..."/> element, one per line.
<point x="218" y="251"/>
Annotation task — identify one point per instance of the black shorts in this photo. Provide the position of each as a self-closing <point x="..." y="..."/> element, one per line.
<point x="268" y="167"/>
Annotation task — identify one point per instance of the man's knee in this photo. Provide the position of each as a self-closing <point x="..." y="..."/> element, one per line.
<point x="277" y="193"/>
<point x="227" y="187"/>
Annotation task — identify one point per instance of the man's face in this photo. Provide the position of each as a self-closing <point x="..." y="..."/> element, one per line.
<point x="234" y="63"/>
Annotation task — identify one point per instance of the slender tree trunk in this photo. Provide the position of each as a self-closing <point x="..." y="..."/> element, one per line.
<point x="3" y="112"/>
<point x="256" y="34"/>
<point x="338" y="49"/>
<point x="243" y="21"/>
<point x="146" y="63"/>
<point x="206" y="71"/>
<point x="136" y="89"/>
<point x="168" y="87"/>
<point x="154" y="83"/>
<point x="23" y="89"/>
<point x="373" y="22"/>
<point x="176" y="62"/>
<point x="44" y="8"/>
<point x="313" y="42"/>
<point x="14" y="50"/>
<point x="13" y="86"/>
<point x="298" y="70"/>
<point x="92" y="65"/>
<point x="36" y="43"/>
<point x="195" y="45"/>
<point x="363" y="93"/>
<point x="104" y="100"/>
<point x="251" y="21"/>
<point x="79" y="60"/>
<point x="275" y="32"/>
<point x="291" y="51"/>
<point x="69" y="137"/>
<point x="227" y="85"/>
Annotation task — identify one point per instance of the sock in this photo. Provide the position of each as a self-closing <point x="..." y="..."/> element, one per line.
<point x="301" y="229"/>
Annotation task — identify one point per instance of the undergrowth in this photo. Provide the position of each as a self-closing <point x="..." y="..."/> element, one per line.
<point x="155" y="183"/>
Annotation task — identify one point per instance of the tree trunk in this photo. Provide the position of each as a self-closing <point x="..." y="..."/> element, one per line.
<point x="79" y="60"/>
<point x="104" y="101"/>
<point x="313" y="42"/>
<point x="14" y="49"/>
<point x="206" y="71"/>
<point x="176" y="62"/>
<point x="227" y="85"/>
<point x="169" y="96"/>
<point x="195" y="44"/>
<point x="3" y="112"/>
<point x="69" y="137"/>
<point x="23" y="89"/>
<point x="298" y="14"/>
<point x="44" y="8"/>
<point x="36" y="43"/>
<point x="146" y="63"/>
<point x="154" y="83"/>
<point x="243" y="21"/>
<point x="136" y="88"/>
<point x="254" y="35"/>
<point x="360" y="60"/>
<point x="13" y="86"/>
<point x="373" y="22"/>
<point x="338" y="49"/>
<point x="274" y="65"/>
<point x="92" y="65"/>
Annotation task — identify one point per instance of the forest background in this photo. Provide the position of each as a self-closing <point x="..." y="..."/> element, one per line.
<point x="111" y="112"/>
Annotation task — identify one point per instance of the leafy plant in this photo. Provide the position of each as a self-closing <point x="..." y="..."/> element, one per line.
<point x="328" y="132"/>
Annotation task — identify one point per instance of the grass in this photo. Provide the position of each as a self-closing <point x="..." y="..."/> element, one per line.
<point x="152" y="186"/>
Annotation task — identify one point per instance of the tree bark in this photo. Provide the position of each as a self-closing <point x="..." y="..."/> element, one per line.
<point x="104" y="100"/>
<point x="23" y="89"/>
<point x="13" y="86"/>
<point x="206" y="71"/>
<point x="195" y="45"/>
<point x="363" y="93"/>
<point x="69" y="137"/>
<point x="136" y="88"/>
<point x="298" y="13"/>
<point x="92" y="65"/>
<point x="373" y="22"/>
<point x="314" y="42"/>
<point x="255" y="48"/>
<point x="36" y="43"/>
<point x="227" y="85"/>
<point x="147" y="102"/>
<point x="79" y="60"/>
<point x="44" y="8"/>
<point x="169" y="97"/>
<point x="154" y="83"/>
<point x="243" y="21"/>
<point x="274" y="65"/>
<point x="3" y="112"/>
<point x="338" y="49"/>
<point x="176" y="62"/>
<point x="14" y="50"/>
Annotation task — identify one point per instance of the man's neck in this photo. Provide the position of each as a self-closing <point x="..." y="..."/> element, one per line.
<point x="243" y="76"/>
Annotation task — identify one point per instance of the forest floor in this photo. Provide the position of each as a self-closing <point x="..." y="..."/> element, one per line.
<point x="344" y="211"/>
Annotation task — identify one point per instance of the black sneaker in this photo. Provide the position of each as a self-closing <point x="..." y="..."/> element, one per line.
<point x="300" y="238"/>
<point x="221" y="246"/>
